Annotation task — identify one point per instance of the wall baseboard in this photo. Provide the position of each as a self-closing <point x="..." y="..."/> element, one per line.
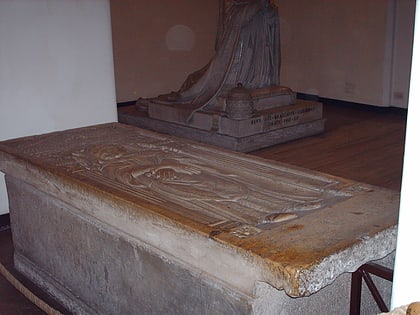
<point x="327" y="101"/>
<point x="331" y="101"/>
<point x="4" y="221"/>
<point x="128" y="103"/>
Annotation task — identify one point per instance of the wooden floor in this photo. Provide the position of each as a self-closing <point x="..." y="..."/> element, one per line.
<point x="364" y="144"/>
<point x="361" y="143"/>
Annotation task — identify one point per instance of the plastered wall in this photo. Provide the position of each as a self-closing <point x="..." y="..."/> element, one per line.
<point x="158" y="43"/>
<point x="335" y="49"/>
<point x="56" y="68"/>
<point x="356" y="51"/>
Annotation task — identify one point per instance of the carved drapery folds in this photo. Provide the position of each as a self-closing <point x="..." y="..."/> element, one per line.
<point x="247" y="52"/>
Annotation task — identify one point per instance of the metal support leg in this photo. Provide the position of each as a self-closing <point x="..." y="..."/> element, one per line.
<point x="356" y="286"/>
<point x="356" y="292"/>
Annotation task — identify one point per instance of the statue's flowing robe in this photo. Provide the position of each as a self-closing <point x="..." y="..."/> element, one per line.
<point x="247" y="52"/>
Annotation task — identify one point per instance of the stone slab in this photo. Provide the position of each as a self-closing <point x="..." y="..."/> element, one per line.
<point x="260" y="134"/>
<point x="134" y="220"/>
<point x="266" y="101"/>
<point x="272" y="97"/>
<point x="261" y="121"/>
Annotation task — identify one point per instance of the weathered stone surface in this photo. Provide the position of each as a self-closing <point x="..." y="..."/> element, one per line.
<point x="95" y="268"/>
<point x="131" y="218"/>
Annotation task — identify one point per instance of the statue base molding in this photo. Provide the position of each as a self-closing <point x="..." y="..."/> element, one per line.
<point x="266" y="127"/>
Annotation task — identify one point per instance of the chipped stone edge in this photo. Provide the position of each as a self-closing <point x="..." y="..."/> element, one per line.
<point x="349" y="260"/>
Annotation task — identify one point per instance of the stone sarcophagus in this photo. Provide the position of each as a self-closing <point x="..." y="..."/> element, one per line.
<point x="113" y="219"/>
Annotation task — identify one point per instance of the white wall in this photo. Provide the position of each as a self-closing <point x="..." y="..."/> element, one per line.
<point x="355" y="50"/>
<point x="402" y="46"/>
<point x="406" y="285"/>
<point x="56" y="67"/>
<point x="147" y="63"/>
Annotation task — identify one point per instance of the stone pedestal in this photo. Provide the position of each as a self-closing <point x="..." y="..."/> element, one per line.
<point x="266" y="127"/>
<point x="113" y="219"/>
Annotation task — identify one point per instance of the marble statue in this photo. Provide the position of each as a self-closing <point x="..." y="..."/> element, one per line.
<point x="236" y="100"/>
<point x="247" y="52"/>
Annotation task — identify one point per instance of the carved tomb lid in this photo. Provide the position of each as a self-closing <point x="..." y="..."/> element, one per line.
<point x="300" y="229"/>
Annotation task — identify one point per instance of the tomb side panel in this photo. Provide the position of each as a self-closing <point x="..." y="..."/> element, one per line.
<point x="107" y="271"/>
